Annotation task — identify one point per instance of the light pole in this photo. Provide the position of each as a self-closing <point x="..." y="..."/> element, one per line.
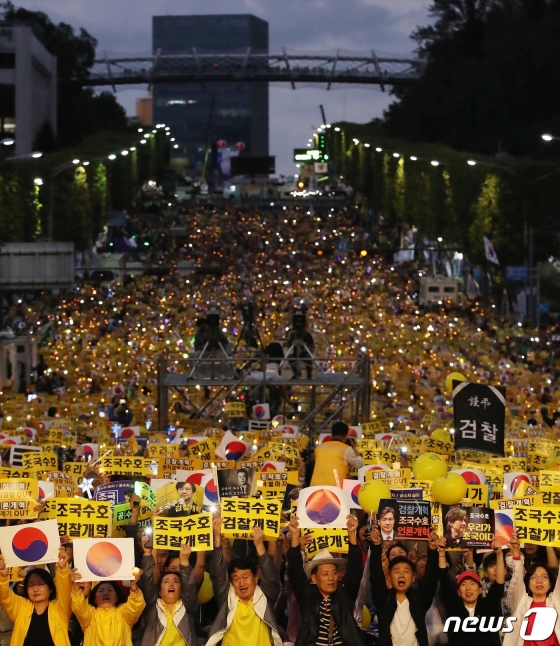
<point x="34" y="155"/>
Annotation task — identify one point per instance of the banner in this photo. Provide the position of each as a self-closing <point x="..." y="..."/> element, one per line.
<point x="237" y="482"/>
<point x="404" y="519"/>
<point x="18" y="498"/>
<point x="334" y="540"/>
<point x="160" y="450"/>
<point x="471" y="527"/>
<point x="239" y="516"/>
<point x="196" y="531"/>
<point x="107" y="559"/>
<point x="319" y="507"/>
<point x="479" y="417"/>
<point x="273" y="484"/>
<point x="539" y="525"/>
<point x="35" y="544"/>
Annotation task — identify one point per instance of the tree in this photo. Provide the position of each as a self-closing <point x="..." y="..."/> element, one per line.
<point x="490" y="82"/>
<point x="80" y="112"/>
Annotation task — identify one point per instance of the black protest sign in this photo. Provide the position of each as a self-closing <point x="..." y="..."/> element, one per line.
<point x="479" y="417"/>
<point x="405" y="519"/>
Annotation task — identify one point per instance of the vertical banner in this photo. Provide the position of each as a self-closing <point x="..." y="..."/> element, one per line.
<point x="479" y="417"/>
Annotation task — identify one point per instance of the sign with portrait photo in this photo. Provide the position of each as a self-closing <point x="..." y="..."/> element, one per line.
<point x="467" y="527"/>
<point x="237" y="483"/>
<point x="404" y="519"/>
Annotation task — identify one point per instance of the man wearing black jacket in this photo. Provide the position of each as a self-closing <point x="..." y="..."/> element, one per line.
<point x="326" y="606"/>
<point x="401" y="609"/>
<point x="465" y="600"/>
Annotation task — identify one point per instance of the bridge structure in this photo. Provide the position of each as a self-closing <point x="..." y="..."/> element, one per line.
<point x="284" y="67"/>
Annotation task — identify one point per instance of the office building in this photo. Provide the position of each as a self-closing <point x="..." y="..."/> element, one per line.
<point x="28" y="85"/>
<point x="199" y="113"/>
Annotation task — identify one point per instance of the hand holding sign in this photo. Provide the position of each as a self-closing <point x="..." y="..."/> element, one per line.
<point x="4" y="572"/>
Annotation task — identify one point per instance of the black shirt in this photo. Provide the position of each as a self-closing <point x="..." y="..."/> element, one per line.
<point x="39" y="633"/>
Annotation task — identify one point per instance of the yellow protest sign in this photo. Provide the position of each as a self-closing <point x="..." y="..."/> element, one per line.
<point x="368" y="445"/>
<point x="240" y="515"/>
<point x="382" y="457"/>
<point x="266" y="453"/>
<point x="16" y="472"/>
<point x="539" y="525"/>
<point x="159" y="450"/>
<point x="273" y="484"/>
<point x="76" y="469"/>
<point x="81" y="518"/>
<point x="434" y="445"/>
<point x="298" y="442"/>
<point x="168" y="466"/>
<point x="333" y="540"/>
<point x="396" y="478"/>
<point x="510" y="464"/>
<point x="125" y="465"/>
<point x="18" y="498"/>
<point x="195" y="530"/>
<point x="545" y="447"/>
<point x="65" y="484"/>
<point x="510" y="503"/>
<point x="477" y="495"/>
<point x="39" y="460"/>
<point x="130" y="447"/>
<point x="203" y="450"/>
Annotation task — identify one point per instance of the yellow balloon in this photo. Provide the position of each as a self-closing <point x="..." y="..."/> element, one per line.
<point x="371" y="493"/>
<point x="441" y="434"/>
<point x="451" y="377"/>
<point x="366" y="618"/>
<point x="449" y="489"/>
<point x="206" y="591"/>
<point x="429" y="466"/>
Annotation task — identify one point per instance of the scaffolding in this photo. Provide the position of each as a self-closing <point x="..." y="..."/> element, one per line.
<point x="337" y="388"/>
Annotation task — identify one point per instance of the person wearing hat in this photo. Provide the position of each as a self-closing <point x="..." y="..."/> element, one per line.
<point x="326" y="605"/>
<point x="465" y="599"/>
<point x="338" y="454"/>
<point x="402" y="608"/>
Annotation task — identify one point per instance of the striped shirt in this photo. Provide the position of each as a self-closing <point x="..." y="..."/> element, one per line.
<point x="323" y="639"/>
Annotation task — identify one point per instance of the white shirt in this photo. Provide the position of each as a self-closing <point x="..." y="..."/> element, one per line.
<point x="403" y="628"/>
<point x="353" y="460"/>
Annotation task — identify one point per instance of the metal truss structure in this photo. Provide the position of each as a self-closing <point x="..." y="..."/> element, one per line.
<point x="313" y="404"/>
<point x="251" y="67"/>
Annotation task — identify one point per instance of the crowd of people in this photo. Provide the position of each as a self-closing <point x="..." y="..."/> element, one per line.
<point x="97" y="372"/>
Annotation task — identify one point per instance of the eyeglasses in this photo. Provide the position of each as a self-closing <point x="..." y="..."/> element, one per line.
<point x="539" y="577"/>
<point x="36" y="585"/>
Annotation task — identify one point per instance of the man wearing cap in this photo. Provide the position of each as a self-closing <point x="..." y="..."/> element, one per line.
<point x="339" y="454"/>
<point x="326" y="606"/>
<point x="465" y="600"/>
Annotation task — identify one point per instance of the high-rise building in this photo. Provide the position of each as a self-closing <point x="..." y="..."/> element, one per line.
<point x="202" y="113"/>
<point x="28" y="89"/>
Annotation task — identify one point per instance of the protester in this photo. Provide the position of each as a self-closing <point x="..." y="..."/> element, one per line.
<point x="401" y="609"/>
<point x="333" y="459"/>
<point x="170" y="610"/>
<point x="105" y="617"/>
<point x="326" y="604"/>
<point x="42" y="614"/>
<point x="245" y="595"/>
<point x="536" y="588"/>
<point x="464" y="599"/>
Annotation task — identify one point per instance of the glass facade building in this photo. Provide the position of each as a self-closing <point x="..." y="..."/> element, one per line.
<point x="202" y="113"/>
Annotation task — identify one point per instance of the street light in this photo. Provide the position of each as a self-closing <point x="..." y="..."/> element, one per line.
<point x="549" y="137"/>
<point x="8" y="141"/>
<point x="33" y="155"/>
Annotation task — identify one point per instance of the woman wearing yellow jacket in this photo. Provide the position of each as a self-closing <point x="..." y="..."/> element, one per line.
<point x="41" y="616"/>
<point x="107" y="620"/>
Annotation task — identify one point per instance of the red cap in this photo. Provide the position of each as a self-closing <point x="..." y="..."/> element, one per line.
<point x="468" y="575"/>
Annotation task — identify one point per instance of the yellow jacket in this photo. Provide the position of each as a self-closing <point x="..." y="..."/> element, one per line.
<point x="329" y="456"/>
<point x="108" y="626"/>
<point x="20" y="610"/>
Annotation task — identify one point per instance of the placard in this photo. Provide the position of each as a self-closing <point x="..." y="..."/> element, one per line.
<point x="34" y="544"/>
<point x="471" y="527"/>
<point x="319" y="507"/>
<point x="195" y="531"/>
<point x="334" y="540"/>
<point x="404" y="519"/>
<point x="240" y="515"/>
<point x="104" y="559"/>
<point x="18" y="498"/>
<point x="123" y="465"/>
<point x="539" y="525"/>
<point x="237" y="482"/>
<point x="80" y="518"/>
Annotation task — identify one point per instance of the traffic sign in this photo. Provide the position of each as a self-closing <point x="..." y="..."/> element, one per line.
<point x="517" y="272"/>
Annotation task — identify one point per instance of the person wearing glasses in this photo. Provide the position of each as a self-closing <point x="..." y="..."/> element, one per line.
<point x="538" y="588"/>
<point x="42" y="614"/>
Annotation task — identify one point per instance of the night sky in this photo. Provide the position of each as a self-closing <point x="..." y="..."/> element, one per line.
<point x="302" y="26"/>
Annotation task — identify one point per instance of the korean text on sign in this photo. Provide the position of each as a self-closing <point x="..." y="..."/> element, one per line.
<point x="240" y="515"/>
<point x="539" y="525"/>
<point x="83" y="518"/>
<point x="196" y="531"/>
<point x="18" y="498"/>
